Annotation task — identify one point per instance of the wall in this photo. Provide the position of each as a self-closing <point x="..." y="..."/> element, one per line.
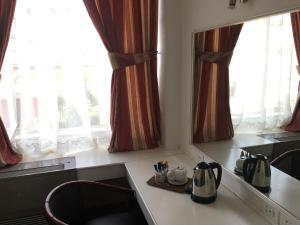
<point x="169" y="71"/>
<point x="199" y="15"/>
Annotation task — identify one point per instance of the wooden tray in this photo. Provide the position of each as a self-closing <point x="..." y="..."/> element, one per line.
<point x="170" y="187"/>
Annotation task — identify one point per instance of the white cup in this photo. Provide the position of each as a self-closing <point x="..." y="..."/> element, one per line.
<point x="178" y="174"/>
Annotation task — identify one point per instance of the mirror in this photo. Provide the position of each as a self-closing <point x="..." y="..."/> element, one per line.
<point x="260" y="62"/>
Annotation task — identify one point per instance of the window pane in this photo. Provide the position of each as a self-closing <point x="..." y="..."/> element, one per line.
<point x="55" y="91"/>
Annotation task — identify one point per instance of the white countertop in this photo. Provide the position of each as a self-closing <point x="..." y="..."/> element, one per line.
<point x="171" y="208"/>
<point x="165" y="207"/>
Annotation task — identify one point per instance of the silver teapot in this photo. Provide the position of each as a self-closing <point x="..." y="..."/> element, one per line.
<point x="205" y="183"/>
<point x="257" y="172"/>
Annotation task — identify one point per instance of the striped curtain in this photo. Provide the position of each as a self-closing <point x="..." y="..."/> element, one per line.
<point x="128" y="29"/>
<point x="213" y="51"/>
<point x="294" y="124"/>
<point x="7" y="8"/>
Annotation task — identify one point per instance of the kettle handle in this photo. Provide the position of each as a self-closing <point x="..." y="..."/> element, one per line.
<point x="214" y="165"/>
<point x="246" y="171"/>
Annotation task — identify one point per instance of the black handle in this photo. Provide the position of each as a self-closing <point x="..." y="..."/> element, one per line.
<point x="246" y="169"/>
<point x="214" y="165"/>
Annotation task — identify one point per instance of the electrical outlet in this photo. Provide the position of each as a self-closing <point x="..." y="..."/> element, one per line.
<point x="287" y="220"/>
<point x="271" y="214"/>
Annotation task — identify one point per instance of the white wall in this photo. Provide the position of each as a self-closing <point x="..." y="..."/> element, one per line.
<point x="199" y="15"/>
<point x="170" y="53"/>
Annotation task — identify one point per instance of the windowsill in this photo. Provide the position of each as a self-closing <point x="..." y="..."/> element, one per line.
<point x="260" y="132"/>
<point x="91" y="159"/>
<point x="101" y="157"/>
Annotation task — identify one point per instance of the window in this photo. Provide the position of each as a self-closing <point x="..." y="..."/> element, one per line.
<point x="263" y="75"/>
<point x="55" y="88"/>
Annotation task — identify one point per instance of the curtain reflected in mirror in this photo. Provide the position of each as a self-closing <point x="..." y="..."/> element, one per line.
<point x="213" y="52"/>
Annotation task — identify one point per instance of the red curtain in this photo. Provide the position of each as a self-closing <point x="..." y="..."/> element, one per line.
<point x="213" y="51"/>
<point x="294" y="125"/>
<point x="7" y="7"/>
<point x="128" y="29"/>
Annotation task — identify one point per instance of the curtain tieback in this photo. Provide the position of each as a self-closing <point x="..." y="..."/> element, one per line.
<point x="214" y="57"/>
<point x="122" y="60"/>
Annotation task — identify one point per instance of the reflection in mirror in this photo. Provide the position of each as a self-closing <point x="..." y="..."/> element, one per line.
<point x="246" y="83"/>
<point x="263" y="76"/>
<point x="213" y="51"/>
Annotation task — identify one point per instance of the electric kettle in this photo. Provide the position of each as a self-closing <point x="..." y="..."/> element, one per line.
<point x="205" y="183"/>
<point x="257" y="172"/>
